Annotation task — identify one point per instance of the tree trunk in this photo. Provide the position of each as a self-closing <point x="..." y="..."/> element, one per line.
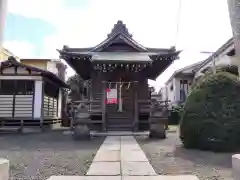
<point x="234" y="12"/>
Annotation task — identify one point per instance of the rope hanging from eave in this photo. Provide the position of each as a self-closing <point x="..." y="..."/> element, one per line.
<point x="178" y="21"/>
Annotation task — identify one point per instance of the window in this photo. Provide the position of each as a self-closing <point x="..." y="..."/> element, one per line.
<point x="183" y="89"/>
<point x="7" y="87"/>
<point x="51" y="90"/>
<point x="24" y="87"/>
<point x="171" y="87"/>
<point x="20" y="87"/>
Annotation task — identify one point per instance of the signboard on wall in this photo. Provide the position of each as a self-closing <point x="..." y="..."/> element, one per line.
<point x="111" y="96"/>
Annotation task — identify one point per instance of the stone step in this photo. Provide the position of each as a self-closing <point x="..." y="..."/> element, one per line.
<point x="119" y="127"/>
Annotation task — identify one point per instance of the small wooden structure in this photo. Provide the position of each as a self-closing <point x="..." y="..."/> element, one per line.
<point x="29" y="96"/>
<point x="118" y="70"/>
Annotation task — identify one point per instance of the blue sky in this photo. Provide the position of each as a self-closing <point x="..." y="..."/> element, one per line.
<point x="36" y="28"/>
<point x="20" y="28"/>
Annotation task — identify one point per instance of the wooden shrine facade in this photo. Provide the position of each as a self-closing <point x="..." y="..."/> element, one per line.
<point x="118" y="70"/>
<point x="29" y="96"/>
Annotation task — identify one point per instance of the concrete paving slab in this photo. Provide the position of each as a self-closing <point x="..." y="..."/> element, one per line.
<point x="119" y="133"/>
<point x="85" y="178"/>
<point x="131" y="147"/>
<point x="137" y="169"/>
<point x="104" y="169"/>
<point x="136" y="155"/>
<point x="112" y="140"/>
<point x="121" y="158"/>
<point x="107" y="156"/>
<point x="163" y="177"/>
<point x="110" y="147"/>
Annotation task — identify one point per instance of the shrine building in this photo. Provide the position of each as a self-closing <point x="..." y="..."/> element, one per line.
<point x="118" y="70"/>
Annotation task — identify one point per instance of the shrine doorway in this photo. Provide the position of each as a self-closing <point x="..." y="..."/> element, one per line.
<point x="120" y="109"/>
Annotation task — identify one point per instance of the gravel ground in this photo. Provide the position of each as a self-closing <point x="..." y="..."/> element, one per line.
<point x="168" y="157"/>
<point x="38" y="156"/>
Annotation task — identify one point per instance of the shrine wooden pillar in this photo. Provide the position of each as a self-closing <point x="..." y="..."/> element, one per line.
<point x="104" y="106"/>
<point x="136" y="110"/>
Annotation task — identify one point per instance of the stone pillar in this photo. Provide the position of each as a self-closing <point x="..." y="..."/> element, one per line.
<point x="236" y="166"/>
<point x="3" y="12"/>
<point x="4" y="169"/>
<point x="38" y="100"/>
<point x="59" y="115"/>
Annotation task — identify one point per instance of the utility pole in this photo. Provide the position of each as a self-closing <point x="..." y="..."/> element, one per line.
<point x="234" y="14"/>
<point x="213" y="59"/>
<point x="3" y="13"/>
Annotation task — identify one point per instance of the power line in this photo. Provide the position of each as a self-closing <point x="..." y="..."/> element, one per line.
<point x="178" y="21"/>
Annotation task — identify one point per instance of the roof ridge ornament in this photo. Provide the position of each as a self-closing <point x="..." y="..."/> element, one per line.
<point x="12" y="59"/>
<point x="120" y="28"/>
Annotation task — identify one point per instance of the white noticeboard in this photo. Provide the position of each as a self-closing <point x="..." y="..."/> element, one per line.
<point x="111" y="96"/>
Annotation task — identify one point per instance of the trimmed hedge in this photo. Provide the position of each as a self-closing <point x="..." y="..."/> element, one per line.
<point x="211" y="115"/>
<point x="228" y="68"/>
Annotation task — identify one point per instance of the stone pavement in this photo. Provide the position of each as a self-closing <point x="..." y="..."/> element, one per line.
<point x="121" y="158"/>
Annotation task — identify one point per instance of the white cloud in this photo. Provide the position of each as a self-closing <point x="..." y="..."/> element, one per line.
<point x="204" y="25"/>
<point x="22" y="49"/>
<point x="42" y="9"/>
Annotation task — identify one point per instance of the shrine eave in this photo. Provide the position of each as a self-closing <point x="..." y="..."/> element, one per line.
<point x="160" y="64"/>
<point x="118" y="56"/>
<point x="90" y="49"/>
<point x="83" y="62"/>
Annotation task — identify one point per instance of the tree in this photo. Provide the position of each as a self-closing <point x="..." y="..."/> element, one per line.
<point x="77" y="86"/>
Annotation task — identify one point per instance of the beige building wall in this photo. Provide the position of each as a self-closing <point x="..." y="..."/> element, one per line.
<point x="4" y="54"/>
<point x="45" y="64"/>
<point x="38" y="63"/>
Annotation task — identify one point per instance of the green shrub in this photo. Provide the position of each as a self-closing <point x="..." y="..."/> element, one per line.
<point x="228" y="68"/>
<point x="211" y="116"/>
<point x="232" y="69"/>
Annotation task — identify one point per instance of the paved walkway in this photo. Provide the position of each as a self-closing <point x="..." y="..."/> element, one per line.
<point x="121" y="158"/>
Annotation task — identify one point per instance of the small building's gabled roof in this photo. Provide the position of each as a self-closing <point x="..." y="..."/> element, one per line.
<point x="197" y="66"/>
<point x="219" y="51"/>
<point x="119" y="47"/>
<point x="13" y="62"/>
<point x="119" y="34"/>
<point x="191" y="68"/>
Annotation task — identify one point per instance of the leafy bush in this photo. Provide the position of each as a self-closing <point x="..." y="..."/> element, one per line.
<point x="211" y="116"/>
<point x="175" y="114"/>
<point x="228" y="68"/>
<point x="232" y="69"/>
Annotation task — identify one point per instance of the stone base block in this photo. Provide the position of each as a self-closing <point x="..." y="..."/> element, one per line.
<point x="56" y="126"/>
<point x="81" y="132"/>
<point x="4" y="169"/>
<point x="236" y="166"/>
<point x="157" y="131"/>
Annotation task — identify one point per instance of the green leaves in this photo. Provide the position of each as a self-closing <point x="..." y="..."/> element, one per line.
<point x="209" y="113"/>
<point x="77" y="85"/>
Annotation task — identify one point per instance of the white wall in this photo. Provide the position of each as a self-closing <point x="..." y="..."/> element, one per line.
<point x="174" y="95"/>
<point x="51" y="66"/>
<point x="164" y="94"/>
<point x="170" y="93"/>
<point x="222" y="59"/>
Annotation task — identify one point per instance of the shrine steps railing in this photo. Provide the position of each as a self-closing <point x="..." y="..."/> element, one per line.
<point x="146" y="110"/>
